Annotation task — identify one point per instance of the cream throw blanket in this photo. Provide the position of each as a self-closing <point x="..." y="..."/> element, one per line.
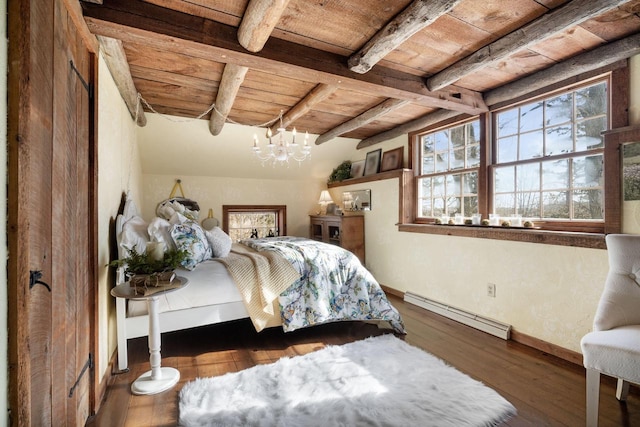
<point x="261" y="277"/>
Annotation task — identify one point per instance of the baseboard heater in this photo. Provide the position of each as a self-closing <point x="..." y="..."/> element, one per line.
<point x="500" y="330"/>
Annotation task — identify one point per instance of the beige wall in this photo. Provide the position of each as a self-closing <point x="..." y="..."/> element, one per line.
<point x="119" y="173"/>
<point x="300" y="197"/>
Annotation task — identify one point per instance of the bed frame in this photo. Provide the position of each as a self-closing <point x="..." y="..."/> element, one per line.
<point x="176" y="320"/>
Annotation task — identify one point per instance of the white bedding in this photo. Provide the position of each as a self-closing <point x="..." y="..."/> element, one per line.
<point x="209" y="283"/>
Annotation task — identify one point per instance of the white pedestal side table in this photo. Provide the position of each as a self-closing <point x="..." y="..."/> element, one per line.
<point x="158" y="379"/>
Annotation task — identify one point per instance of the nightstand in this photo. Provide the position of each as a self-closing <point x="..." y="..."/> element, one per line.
<point x="345" y="231"/>
<point x="158" y="379"/>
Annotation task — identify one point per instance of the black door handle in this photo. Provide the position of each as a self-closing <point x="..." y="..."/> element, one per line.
<point x="34" y="279"/>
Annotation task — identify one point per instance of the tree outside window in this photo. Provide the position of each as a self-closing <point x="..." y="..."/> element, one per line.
<point x="550" y="157"/>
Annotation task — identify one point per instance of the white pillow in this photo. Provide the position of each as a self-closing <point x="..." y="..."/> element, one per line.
<point x="134" y="235"/>
<point x="160" y="231"/>
<point x="190" y="237"/>
<point x="219" y="241"/>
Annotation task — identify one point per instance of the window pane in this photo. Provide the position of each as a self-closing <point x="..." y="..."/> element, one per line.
<point x="528" y="177"/>
<point x="591" y="101"/>
<point x="438" y="207"/>
<point x="428" y="144"/>
<point x="555" y="175"/>
<point x="473" y="132"/>
<point x="531" y="117"/>
<point x="457" y="137"/>
<point x="453" y="185"/>
<point x="424" y="187"/>
<point x="457" y="159"/>
<point x="453" y="205"/>
<point x="555" y="204"/>
<point x="508" y="123"/>
<point x="559" y="140"/>
<point x="587" y="204"/>
<point x="588" y="171"/>
<point x="425" y="207"/>
<point x="504" y="179"/>
<point x="505" y="204"/>
<point x="507" y="149"/>
<point x="438" y="186"/>
<point x="588" y="133"/>
<point x="470" y="185"/>
<point x="473" y="156"/>
<point x="470" y="206"/>
<point x="559" y="110"/>
<point x="442" y="140"/>
<point x="531" y="145"/>
<point x="428" y="164"/>
<point x="529" y="204"/>
<point x="242" y="223"/>
<point x="442" y="162"/>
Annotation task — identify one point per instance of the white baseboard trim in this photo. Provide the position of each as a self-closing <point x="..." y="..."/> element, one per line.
<point x="490" y="326"/>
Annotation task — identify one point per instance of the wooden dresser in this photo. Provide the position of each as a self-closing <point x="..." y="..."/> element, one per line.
<point x="344" y="231"/>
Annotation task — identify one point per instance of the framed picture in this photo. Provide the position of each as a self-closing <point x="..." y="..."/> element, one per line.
<point x="372" y="162"/>
<point x="357" y="168"/>
<point x="392" y="159"/>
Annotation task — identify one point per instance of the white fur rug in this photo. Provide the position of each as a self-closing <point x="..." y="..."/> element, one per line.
<point x="380" y="381"/>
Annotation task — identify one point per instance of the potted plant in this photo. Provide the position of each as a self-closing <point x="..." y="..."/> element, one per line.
<point x="342" y="172"/>
<point x="150" y="268"/>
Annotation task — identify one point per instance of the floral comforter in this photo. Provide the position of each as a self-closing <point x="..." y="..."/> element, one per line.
<point x="333" y="286"/>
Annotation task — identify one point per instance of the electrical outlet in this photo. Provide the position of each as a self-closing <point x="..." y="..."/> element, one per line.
<point x="491" y="290"/>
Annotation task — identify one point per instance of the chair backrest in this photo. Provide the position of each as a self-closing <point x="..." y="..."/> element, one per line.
<point x="620" y="301"/>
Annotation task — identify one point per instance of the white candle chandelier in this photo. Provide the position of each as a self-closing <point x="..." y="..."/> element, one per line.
<point x="282" y="150"/>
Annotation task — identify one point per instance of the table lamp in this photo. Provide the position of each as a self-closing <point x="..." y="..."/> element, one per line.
<point x="325" y="199"/>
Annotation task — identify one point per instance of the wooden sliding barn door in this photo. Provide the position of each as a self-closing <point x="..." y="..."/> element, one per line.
<point x="51" y="217"/>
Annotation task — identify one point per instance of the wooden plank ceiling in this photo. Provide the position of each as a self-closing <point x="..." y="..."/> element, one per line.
<point x="365" y="69"/>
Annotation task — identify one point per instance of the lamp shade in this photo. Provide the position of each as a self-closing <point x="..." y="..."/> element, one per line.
<point x="325" y="198"/>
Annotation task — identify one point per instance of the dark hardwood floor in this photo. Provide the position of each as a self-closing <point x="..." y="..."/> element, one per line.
<point x="547" y="391"/>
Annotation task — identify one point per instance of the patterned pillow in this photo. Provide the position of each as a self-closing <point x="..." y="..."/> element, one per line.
<point x="190" y="237"/>
<point x="219" y="241"/>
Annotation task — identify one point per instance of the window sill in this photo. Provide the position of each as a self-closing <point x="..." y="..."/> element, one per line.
<point x="562" y="238"/>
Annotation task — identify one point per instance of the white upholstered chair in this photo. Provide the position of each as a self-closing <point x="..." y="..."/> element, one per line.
<point x="613" y="348"/>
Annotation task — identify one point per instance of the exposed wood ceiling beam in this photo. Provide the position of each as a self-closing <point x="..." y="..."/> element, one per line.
<point x="259" y="20"/>
<point x="361" y="120"/>
<point x="582" y="63"/>
<point x="230" y="82"/>
<point x="415" y="17"/>
<point x="144" y="23"/>
<point x="579" y="64"/>
<point x="116" y="61"/>
<point x="317" y="95"/>
<point x="416" y="124"/>
<point x="571" y="14"/>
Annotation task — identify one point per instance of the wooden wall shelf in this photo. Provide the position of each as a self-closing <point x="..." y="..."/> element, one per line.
<point x="398" y="173"/>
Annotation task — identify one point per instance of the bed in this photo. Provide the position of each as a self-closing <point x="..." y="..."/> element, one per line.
<point x="287" y="282"/>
